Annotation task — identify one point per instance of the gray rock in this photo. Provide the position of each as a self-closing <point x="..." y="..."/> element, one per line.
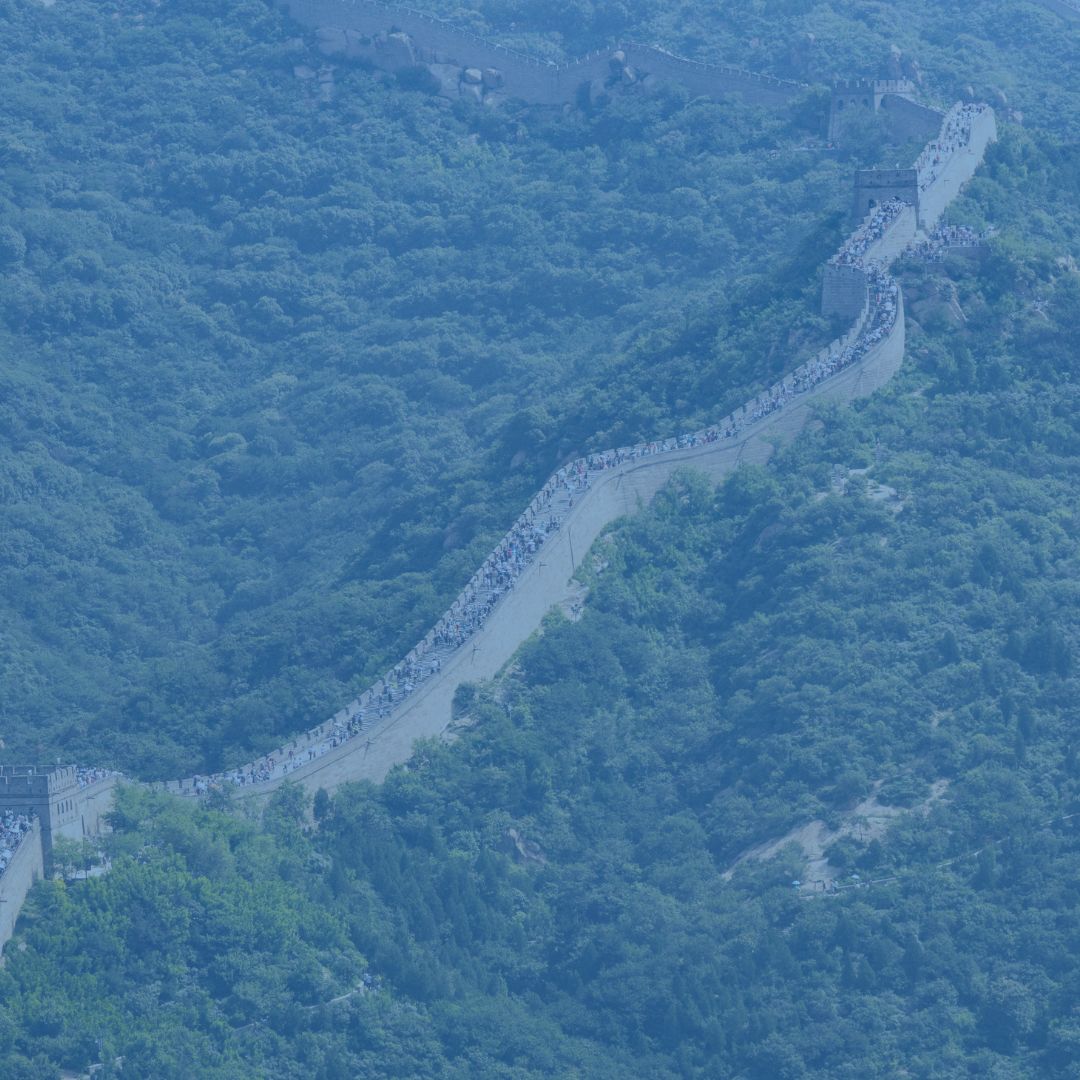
<point x="473" y="76"/>
<point x="449" y="76"/>
<point x="330" y="40"/>
<point x="398" y="51"/>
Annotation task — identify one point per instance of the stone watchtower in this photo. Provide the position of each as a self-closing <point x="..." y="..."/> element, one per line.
<point x="892" y="101"/>
<point x="876" y="186"/>
<point x="53" y="794"/>
<point x="850" y="97"/>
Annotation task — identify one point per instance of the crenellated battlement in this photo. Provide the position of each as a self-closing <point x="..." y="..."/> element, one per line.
<point x="31" y="783"/>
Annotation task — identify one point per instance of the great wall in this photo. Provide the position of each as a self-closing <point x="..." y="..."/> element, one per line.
<point x="532" y="569"/>
<point x="463" y="64"/>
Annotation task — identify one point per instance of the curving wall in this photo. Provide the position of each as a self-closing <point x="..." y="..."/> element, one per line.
<point x="332" y="754"/>
<point x="601" y="489"/>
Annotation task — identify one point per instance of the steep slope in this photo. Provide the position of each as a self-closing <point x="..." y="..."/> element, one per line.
<point x="547" y="894"/>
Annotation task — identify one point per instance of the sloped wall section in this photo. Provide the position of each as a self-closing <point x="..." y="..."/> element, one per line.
<point x="464" y="64"/>
<point x="1067" y="9"/>
<point x="27" y="866"/>
<point x="908" y="119"/>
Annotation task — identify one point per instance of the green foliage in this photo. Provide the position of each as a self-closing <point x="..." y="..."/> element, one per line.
<point x="231" y="313"/>
<point x="558" y="893"/>
<point x="278" y="373"/>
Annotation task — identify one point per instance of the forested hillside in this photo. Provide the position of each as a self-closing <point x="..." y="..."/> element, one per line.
<point x="279" y="365"/>
<point x="277" y="372"/>
<point x="274" y="370"/>
<point x="888" y="607"/>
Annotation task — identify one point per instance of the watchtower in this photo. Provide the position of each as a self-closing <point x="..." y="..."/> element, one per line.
<point x="876" y="186"/>
<point x="855" y="96"/>
<point x="51" y="793"/>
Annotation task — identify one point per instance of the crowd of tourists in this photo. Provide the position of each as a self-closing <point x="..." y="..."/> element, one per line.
<point x="869" y="233"/>
<point x="944" y="238"/>
<point x="87" y="776"/>
<point x="525" y="541"/>
<point x="955" y="135"/>
<point x="13" y="827"/>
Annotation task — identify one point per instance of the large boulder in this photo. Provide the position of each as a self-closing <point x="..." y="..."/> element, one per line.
<point x="472" y="76"/>
<point x="397" y="49"/>
<point x="448" y="76"/>
<point x="331" y="40"/>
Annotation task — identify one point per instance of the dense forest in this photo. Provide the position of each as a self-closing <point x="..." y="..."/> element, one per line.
<point x="231" y="309"/>
<point x="275" y="370"/>
<point x="887" y="609"/>
<point x="280" y="372"/>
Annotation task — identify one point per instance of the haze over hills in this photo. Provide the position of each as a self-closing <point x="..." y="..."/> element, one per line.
<point x="280" y="363"/>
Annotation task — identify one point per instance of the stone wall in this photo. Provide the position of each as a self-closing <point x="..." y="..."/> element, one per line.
<point x="616" y="490"/>
<point x="709" y="80"/>
<point x="891" y="100"/>
<point x="876" y="186"/>
<point x="92" y="803"/>
<point x="614" y="494"/>
<point x="26" y="867"/>
<point x="843" y="290"/>
<point x="906" y="119"/>
<point x="61" y="808"/>
<point x="464" y="64"/>
<point x="53" y="795"/>
<point x="50" y="793"/>
<point x="619" y="490"/>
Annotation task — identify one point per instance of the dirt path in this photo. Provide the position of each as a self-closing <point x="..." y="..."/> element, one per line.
<point x="868" y="820"/>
